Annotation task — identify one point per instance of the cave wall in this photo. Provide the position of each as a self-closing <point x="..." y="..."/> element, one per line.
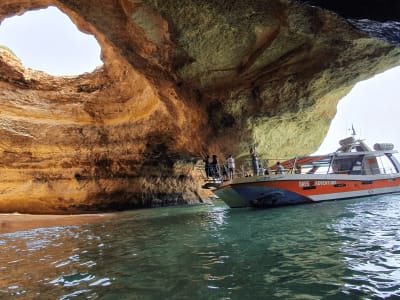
<point x="180" y="79"/>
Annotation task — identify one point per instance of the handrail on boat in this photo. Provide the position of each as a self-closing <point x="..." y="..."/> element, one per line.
<point x="322" y="164"/>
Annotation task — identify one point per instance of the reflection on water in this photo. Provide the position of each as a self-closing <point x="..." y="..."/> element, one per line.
<point x="335" y="250"/>
<point x="371" y="247"/>
<point x="43" y="261"/>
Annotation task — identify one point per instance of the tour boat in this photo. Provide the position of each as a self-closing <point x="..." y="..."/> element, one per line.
<point x="353" y="170"/>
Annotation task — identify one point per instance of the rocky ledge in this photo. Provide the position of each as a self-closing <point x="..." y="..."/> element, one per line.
<point x="180" y="79"/>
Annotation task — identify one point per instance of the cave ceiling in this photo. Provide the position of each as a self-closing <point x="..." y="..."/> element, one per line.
<point x="180" y="79"/>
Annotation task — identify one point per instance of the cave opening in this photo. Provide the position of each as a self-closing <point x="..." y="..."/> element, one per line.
<point x="47" y="40"/>
<point x="372" y="108"/>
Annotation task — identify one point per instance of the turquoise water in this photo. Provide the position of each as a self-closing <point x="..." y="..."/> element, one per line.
<point x="335" y="250"/>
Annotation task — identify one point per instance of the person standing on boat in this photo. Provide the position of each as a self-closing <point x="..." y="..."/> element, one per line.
<point x="254" y="160"/>
<point x="266" y="167"/>
<point x="280" y="169"/>
<point x="215" y="167"/>
<point x="231" y="166"/>
<point x="225" y="171"/>
<point x="261" y="170"/>
<point x="207" y="167"/>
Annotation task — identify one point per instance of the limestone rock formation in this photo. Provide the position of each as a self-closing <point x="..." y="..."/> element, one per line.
<point x="180" y="79"/>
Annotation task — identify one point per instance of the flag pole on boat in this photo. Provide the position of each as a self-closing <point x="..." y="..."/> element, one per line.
<point x="353" y="130"/>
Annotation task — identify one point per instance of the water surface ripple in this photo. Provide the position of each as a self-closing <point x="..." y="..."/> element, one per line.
<point x="336" y="250"/>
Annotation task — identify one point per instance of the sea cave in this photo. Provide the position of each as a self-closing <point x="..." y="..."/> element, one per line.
<point x="179" y="80"/>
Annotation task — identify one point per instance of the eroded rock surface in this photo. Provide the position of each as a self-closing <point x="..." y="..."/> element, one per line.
<point x="180" y="79"/>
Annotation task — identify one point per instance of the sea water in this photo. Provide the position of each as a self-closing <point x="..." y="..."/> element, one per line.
<point x="334" y="250"/>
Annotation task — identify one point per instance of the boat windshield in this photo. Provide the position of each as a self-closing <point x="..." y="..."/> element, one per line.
<point x="390" y="164"/>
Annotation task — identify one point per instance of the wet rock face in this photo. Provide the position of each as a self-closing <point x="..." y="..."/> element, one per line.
<point x="180" y="79"/>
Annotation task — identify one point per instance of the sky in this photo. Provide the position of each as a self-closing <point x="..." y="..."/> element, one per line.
<point x="47" y="40"/>
<point x="373" y="108"/>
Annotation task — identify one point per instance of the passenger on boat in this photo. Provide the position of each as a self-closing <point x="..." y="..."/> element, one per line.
<point x="261" y="170"/>
<point x="280" y="169"/>
<point x="215" y="172"/>
<point x="254" y="160"/>
<point x="207" y="167"/>
<point x="224" y="171"/>
<point x="266" y="167"/>
<point x="231" y="166"/>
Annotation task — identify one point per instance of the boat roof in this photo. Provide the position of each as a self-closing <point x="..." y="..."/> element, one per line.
<point x="350" y="146"/>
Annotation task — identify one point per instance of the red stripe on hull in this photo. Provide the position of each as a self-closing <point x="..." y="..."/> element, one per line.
<point x="312" y="188"/>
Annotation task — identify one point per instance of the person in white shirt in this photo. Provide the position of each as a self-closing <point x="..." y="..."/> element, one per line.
<point x="231" y="167"/>
<point x="280" y="169"/>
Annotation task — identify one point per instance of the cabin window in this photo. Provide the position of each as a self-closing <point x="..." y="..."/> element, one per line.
<point x="370" y="165"/>
<point x="385" y="165"/>
<point x="348" y="165"/>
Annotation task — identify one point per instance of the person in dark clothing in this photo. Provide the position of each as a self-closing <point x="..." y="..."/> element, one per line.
<point x="224" y="172"/>
<point x="215" y="167"/>
<point x="207" y="166"/>
<point x="254" y="160"/>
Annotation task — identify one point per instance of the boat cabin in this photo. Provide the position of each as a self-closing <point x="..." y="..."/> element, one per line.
<point x="353" y="157"/>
